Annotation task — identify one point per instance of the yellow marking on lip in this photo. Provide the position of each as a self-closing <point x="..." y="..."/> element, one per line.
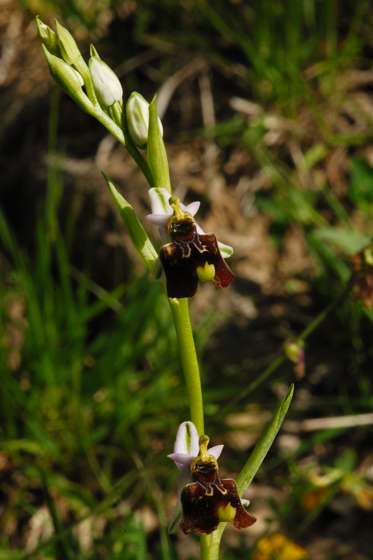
<point x="221" y="490"/>
<point x="206" y="273"/>
<point x="168" y="249"/>
<point x="227" y="514"/>
<point x="203" y="250"/>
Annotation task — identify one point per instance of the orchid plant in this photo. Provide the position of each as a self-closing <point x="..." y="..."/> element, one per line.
<point x="205" y="503"/>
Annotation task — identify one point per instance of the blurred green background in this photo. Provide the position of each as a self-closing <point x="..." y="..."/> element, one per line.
<point x="267" y="109"/>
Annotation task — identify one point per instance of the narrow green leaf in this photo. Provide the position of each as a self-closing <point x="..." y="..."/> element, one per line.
<point x="347" y="241"/>
<point x="262" y="447"/>
<point x="138" y="236"/>
<point x="23" y="445"/>
<point x="62" y="549"/>
<point x="157" y="157"/>
<point x="313" y="156"/>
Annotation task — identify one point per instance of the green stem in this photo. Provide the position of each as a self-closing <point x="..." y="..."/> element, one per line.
<point x="188" y="355"/>
<point x="136" y="154"/>
<point x="125" y="139"/>
<point x="156" y="151"/>
<point x="208" y="552"/>
<point x="210" y="544"/>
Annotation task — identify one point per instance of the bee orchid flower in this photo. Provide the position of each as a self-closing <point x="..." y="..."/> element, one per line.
<point x="188" y="254"/>
<point x="204" y="500"/>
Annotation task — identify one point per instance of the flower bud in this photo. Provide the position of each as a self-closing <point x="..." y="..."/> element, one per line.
<point x="69" y="80"/>
<point x="66" y="42"/>
<point x="294" y="350"/>
<point x="137" y="112"/>
<point x="69" y="49"/>
<point x="107" y="86"/>
<point x="48" y="37"/>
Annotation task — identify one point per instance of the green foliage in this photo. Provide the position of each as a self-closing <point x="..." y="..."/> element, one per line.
<point x="361" y="188"/>
<point x="82" y="399"/>
<point x="348" y="242"/>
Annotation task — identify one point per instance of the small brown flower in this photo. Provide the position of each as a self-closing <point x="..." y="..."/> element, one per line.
<point x="191" y="257"/>
<point x="208" y="500"/>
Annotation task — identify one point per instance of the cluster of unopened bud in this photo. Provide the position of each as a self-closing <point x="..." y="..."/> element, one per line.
<point x="103" y="89"/>
<point x="66" y="64"/>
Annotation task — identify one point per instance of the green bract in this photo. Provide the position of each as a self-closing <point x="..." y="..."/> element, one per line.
<point x="157" y="157"/>
<point x="134" y="228"/>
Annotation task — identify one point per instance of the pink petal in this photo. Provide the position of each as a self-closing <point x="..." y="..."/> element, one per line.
<point x="216" y="451"/>
<point x="181" y="459"/>
<point x="158" y="219"/>
<point x="192" y="208"/>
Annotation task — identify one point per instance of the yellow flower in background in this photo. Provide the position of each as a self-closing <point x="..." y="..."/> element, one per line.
<point x="365" y="498"/>
<point x="311" y="499"/>
<point x="278" y="547"/>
